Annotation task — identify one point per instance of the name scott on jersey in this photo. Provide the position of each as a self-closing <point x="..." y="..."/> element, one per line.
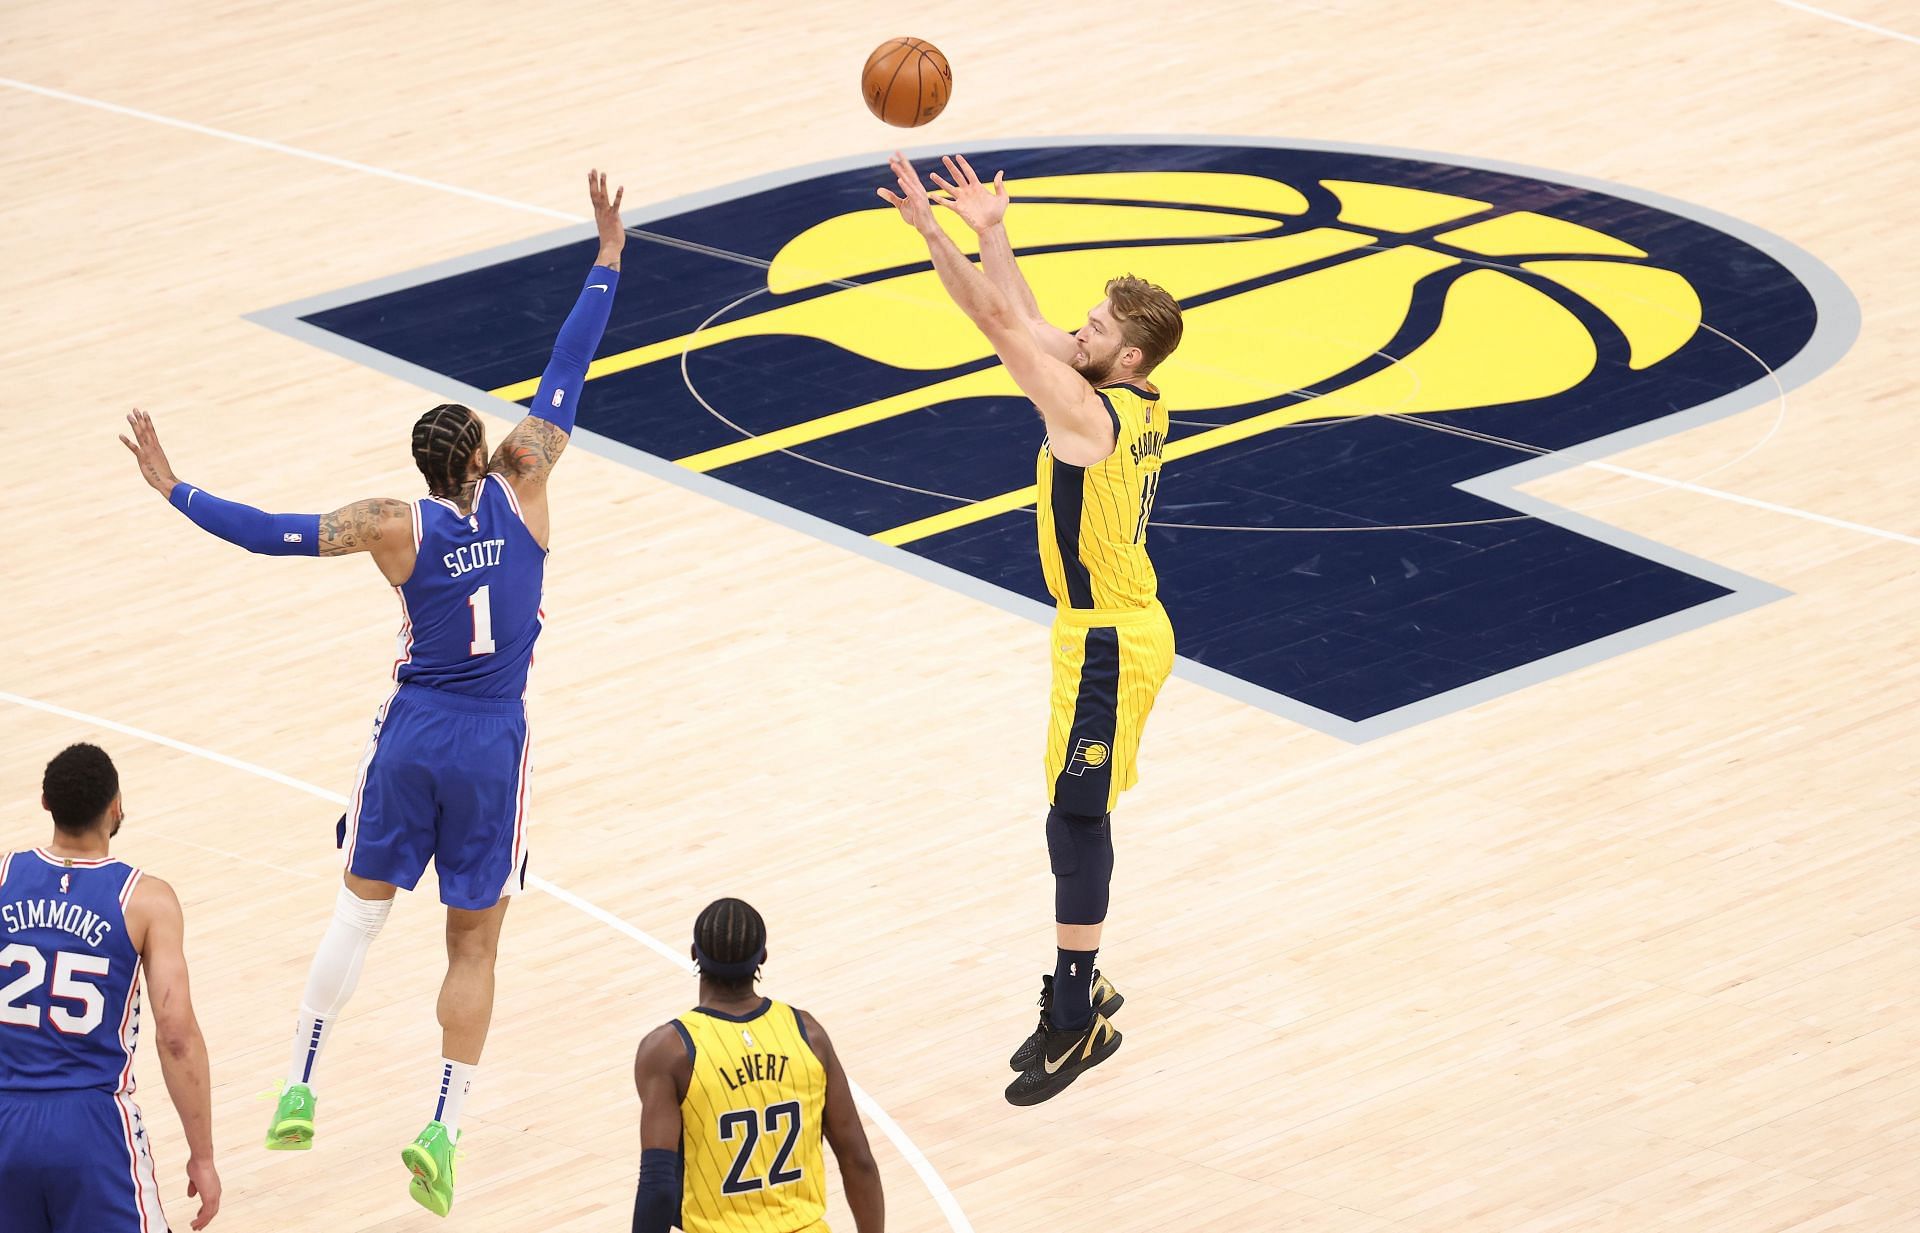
<point x="469" y="557"/>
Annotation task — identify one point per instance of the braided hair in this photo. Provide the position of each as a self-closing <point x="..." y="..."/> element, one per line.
<point x="443" y="439"/>
<point x="729" y="943"/>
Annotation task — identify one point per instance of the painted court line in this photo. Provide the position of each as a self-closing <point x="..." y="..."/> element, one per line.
<point x="909" y="1151"/>
<point x="1756" y="503"/>
<point x="492" y="199"/>
<point x="1851" y="21"/>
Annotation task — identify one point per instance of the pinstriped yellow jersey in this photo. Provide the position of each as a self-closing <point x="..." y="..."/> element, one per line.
<point x="1093" y="520"/>
<point x="751" y="1124"/>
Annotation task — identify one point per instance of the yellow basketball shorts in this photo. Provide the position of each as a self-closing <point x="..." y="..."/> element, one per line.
<point x="1108" y="667"/>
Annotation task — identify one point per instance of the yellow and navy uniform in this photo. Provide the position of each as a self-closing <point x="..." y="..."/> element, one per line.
<point x="751" y="1123"/>
<point x="1112" y="642"/>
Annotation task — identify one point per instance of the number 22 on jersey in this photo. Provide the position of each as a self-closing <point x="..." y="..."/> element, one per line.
<point x="745" y="1125"/>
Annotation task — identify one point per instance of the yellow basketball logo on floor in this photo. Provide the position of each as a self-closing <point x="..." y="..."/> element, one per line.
<point x="1434" y="331"/>
<point x="1317" y="309"/>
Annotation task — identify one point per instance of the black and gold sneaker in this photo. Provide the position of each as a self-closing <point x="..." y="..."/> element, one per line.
<point x="1106" y="1000"/>
<point x="1065" y="1054"/>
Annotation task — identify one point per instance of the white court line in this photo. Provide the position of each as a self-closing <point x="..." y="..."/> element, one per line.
<point x="296" y="152"/>
<point x="491" y="199"/>
<point x="909" y="1151"/>
<point x="1850" y="21"/>
<point x="1756" y="503"/>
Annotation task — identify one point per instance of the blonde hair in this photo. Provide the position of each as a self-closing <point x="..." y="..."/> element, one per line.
<point x="1149" y="319"/>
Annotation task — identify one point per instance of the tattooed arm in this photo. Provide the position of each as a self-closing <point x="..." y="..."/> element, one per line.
<point x="529" y="452"/>
<point x="380" y="526"/>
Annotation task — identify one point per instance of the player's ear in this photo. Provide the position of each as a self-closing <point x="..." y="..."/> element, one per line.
<point x="43" y="803"/>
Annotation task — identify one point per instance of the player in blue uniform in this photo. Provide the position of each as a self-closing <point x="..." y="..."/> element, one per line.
<point x="77" y="928"/>
<point x="444" y="775"/>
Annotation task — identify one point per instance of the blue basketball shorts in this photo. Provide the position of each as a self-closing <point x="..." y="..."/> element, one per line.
<point x="443" y="778"/>
<point x="76" y="1162"/>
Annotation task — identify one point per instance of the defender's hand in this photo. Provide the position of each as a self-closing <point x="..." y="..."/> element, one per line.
<point x="606" y="217"/>
<point x="979" y="206"/>
<point x="203" y="1182"/>
<point x="911" y="200"/>
<point x="145" y="447"/>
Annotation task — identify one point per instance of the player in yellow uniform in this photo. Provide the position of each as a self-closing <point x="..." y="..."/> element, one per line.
<point x="735" y="1095"/>
<point x="1099" y="470"/>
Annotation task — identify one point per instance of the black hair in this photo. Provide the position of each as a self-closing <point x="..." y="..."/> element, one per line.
<point x="443" y="439"/>
<point x="729" y="943"/>
<point x="79" y="785"/>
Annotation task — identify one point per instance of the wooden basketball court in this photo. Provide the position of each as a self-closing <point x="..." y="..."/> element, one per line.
<point x="1631" y="947"/>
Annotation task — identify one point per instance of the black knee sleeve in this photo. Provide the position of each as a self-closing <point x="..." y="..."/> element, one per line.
<point x="1080" y="847"/>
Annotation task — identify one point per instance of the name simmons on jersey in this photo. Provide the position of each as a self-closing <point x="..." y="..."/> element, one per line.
<point x="469" y="557"/>
<point x="52" y="914"/>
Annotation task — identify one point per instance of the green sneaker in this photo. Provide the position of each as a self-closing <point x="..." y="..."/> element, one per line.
<point x="292" y="1127"/>
<point x="430" y="1159"/>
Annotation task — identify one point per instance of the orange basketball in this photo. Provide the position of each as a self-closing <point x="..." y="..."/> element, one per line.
<point x="906" y="82"/>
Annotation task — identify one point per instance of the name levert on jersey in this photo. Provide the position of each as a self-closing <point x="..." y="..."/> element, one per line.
<point x="751" y="1123"/>
<point x="1093" y="520"/>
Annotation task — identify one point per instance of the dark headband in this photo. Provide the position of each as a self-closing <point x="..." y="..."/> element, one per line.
<point x="728" y="971"/>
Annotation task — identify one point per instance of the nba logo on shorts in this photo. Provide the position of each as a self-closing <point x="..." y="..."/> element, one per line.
<point x="1088" y="755"/>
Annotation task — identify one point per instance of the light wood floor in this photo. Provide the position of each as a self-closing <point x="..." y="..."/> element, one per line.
<point x="1634" y="949"/>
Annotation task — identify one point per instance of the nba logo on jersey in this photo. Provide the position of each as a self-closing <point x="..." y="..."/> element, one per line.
<point x="66" y="883"/>
<point x="747" y="1036"/>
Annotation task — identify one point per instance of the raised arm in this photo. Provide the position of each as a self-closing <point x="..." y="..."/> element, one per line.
<point x="859" y="1175"/>
<point x="1080" y="429"/>
<point x="529" y="452"/>
<point x="661" y="1072"/>
<point x="160" y="933"/>
<point x="984" y="209"/>
<point x="379" y="526"/>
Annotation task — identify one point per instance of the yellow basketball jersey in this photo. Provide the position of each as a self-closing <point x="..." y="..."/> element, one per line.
<point x="1093" y="520"/>
<point x="751" y="1121"/>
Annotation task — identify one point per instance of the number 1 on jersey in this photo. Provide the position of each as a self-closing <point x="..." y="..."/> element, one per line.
<point x="481" y="602"/>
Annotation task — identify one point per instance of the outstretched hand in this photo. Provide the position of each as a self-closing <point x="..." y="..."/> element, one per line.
<point x="979" y="206"/>
<point x="606" y="217"/>
<point x="145" y="448"/>
<point x="911" y="200"/>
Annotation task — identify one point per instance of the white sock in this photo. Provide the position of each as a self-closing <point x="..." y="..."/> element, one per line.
<point x="330" y="981"/>
<point x="450" y="1094"/>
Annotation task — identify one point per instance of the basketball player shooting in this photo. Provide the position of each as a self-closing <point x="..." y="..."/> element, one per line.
<point x="444" y="774"/>
<point x="1097" y="474"/>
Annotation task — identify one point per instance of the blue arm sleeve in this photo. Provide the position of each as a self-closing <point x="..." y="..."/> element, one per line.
<point x="656" y="1207"/>
<point x="560" y="385"/>
<point x="273" y="535"/>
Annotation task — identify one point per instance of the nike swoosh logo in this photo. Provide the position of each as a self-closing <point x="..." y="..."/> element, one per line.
<point x="1053" y="1066"/>
<point x="597" y="287"/>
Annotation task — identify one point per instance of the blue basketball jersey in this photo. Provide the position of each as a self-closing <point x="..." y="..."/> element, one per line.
<point x="472" y="603"/>
<point x="69" y="975"/>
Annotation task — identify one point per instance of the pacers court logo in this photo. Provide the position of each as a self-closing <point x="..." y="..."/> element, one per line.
<point x="1380" y="349"/>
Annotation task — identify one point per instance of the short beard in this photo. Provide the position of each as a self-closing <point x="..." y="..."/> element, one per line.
<point x="1096" y="371"/>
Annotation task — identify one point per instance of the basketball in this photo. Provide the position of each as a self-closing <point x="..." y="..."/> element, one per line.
<point x="906" y="82"/>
